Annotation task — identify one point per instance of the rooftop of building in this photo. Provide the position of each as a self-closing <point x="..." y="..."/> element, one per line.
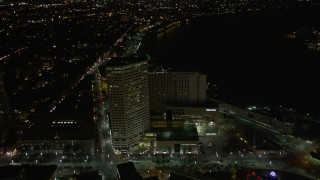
<point x="30" y="172"/>
<point x="151" y="178"/>
<point x="181" y="175"/>
<point x="177" y="176"/>
<point x="127" y="171"/>
<point x="188" y="133"/>
<point x="122" y="61"/>
<point x="39" y="171"/>
<point x="10" y="172"/>
<point x="63" y="126"/>
<point x="92" y="175"/>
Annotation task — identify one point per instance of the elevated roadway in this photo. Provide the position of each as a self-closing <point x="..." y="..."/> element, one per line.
<point x="255" y="118"/>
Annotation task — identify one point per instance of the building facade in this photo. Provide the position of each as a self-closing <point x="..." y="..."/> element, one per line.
<point x="205" y="117"/>
<point x="62" y="133"/>
<point x="181" y="141"/>
<point x="176" y="87"/>
<point x="127" y="79"/>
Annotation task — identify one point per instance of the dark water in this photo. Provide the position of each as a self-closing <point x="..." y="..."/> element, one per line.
<point x="248" y="56"/>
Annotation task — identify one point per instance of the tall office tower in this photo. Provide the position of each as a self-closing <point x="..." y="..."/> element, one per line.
<point x="4" y="111"/>
<point x="127" y="79"/>
<point x="176" y="87"/>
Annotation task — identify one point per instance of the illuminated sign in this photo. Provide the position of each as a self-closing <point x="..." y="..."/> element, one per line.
<point x="272" y="175"/>
<point x="211" y="110"/>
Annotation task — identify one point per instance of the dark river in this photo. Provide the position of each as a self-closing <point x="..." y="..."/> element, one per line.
<point x="248" y="56"/>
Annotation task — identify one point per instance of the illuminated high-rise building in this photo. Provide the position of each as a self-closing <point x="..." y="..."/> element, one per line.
<point x="4" y="111"/>
<point x="127" y="79"/>
<point x="176" y="87"/>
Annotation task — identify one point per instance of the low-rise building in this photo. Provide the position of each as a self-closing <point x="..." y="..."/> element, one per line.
<point x="205" y="116"/>
<point x="183" y="141"/>
<point x="28" y="172"/>
<point x="71" y="134"/>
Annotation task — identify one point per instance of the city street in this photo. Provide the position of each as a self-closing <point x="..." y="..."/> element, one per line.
<point x="212" y="158"/>
<point x="105" y="159"/>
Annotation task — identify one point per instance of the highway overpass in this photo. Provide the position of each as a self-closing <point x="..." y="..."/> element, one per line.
<point x="258" y="119"/>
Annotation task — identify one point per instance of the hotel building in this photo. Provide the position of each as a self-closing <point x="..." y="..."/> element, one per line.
<point x="127" y="79"/>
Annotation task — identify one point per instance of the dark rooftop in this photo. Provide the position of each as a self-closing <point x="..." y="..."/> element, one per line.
<point x="189" y="133"/>
<point x="43" y="172"/>
<point x="92" y="175"/>
<point x="10" y="172"/>
<point x="178" y="176"/>
<point x="151" y="178"/>
<point x="182" y="175"/>
<point x="63" y="126"/>
<point x="127" y="171"/>
<point x="28" y="172"/>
